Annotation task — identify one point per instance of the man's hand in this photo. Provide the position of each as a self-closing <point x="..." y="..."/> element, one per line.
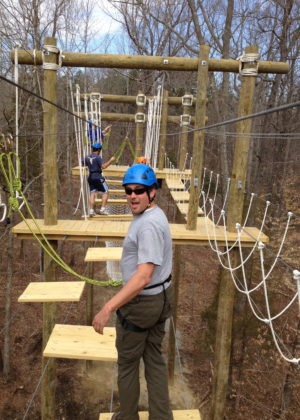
<point x="112" y="159"/>
<point x="101" y="319"/>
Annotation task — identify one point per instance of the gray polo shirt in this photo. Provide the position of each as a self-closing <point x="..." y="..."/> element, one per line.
<point x="148" y="241"/>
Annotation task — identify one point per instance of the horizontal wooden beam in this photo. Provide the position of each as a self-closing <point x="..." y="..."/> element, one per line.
<point x="130" y="99"/>
<point x="122" y="61"/>
<point x="114" y="116"/>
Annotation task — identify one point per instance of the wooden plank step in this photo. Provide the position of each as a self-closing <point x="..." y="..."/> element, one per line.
<point x="113" y="201"/>
<point x="114" y="181"/>
<point x="180" y="195"/>
<point x="81" y="342"/>
<point x="177" y="414"/>
<point x="116" y="192"/>
<point x="53" y="291"/>
<point x="94" y="254"/>
<point x="175" y="184"/>
<point x="184" y="207"/>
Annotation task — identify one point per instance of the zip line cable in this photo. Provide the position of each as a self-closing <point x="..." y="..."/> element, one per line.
<point x="208" y="127"/>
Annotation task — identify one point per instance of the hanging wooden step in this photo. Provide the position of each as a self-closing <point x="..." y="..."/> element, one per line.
<point x="175" y="184"/>
<point x="180" y="195"/>
<point x="53" y="291"/>
<point x="177" y="414"/>
<point x="95" y="254"/>
<point x="113" y="201"/>
<point x="114" y="182"/>
<point x="116" y="192"/>
<point x="81" y="342"/>
<point x="184" y="208"/>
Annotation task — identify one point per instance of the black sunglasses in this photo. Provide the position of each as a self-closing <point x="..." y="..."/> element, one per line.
<point x="138" y="191"/>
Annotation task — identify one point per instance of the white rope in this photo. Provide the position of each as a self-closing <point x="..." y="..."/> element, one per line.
<point x="52" y="66"/>
<point x="296" y="276"/>
<point x="241" y="266"/>
<point x="239" y="229"/>
<point x="248" y="58"/>
<point x="83" y="194"/>
<point x="269" y="318"/>
<point x="153" y="127"/>
<point x="4" y="207"/>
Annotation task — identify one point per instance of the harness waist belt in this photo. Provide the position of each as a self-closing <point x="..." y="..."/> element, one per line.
<point x="159" y="284"/>
<point x="128" y="325"/>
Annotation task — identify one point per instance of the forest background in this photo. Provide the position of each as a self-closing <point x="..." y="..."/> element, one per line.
<point x="262" y="384"/>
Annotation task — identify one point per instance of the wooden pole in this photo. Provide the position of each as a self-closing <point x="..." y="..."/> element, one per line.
<point x="198" y="144"/>
<point x="139" y="130"/>
<point x="163" y="129"/>
<point x="122" y="61"/>
<point x="234" y="215"/>
<point x="48" y="386"/>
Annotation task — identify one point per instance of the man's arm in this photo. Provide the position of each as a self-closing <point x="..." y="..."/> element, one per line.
<point x="138" y="281"/>
<point x="106" y="130"/>
<point x="109" y="162"/>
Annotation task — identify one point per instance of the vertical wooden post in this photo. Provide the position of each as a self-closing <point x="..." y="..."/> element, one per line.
<point x="50" y="218"/>
<point x="139" y="131"/>
<point x="234" y="215"/>
<point x="198" y="145"/>
<point x="183" y="140"/>
<point x="172" y="328"/>
<point x="163" y="130"/>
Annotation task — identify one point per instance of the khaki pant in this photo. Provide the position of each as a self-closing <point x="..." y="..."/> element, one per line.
<point x="148" y="312"/>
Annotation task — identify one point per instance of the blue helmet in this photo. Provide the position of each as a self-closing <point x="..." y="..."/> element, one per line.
<point x="97" y="145"/>
<point x="142" y="174"/>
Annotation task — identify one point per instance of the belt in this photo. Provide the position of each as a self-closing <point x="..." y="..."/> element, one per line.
<point x="129" y="325"/>
<point x="159" y="284"/>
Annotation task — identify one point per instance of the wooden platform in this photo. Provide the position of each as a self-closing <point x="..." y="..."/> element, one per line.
<point x="119" y="171"/>
<point x="121" y="217"/>
<point x="81" y="342"/>
<point x="113" y="230"/>
<point x="54" y="291"/>
<point x="177" y="414"/>
<point x="103" y="254"/>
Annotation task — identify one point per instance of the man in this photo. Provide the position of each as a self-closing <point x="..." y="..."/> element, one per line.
<point x="96" y="133"/>
<point x="96" y="180"/>
<point x="145" y="300"/>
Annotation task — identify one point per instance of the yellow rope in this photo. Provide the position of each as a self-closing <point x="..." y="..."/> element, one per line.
<point x="14" y="185"/>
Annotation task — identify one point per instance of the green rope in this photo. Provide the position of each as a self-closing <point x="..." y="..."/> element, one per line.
<point x="14" y="186"/>
<point x="121" y="148"/>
